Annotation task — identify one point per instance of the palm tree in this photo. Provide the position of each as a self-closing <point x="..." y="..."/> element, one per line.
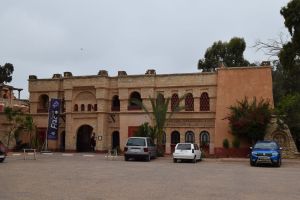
<point x="29" y="126"/>
<point x="159" y="115"/>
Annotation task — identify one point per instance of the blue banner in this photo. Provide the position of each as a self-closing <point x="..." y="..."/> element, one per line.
<point x="53" y="122"/>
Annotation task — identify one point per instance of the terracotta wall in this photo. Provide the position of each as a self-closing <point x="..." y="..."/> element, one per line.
<point x="234" y="84"/>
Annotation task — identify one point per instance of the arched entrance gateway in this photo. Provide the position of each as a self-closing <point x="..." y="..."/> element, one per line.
<point x="115" y="139"/>
<point x="83" y="143"/>
<point x="175" y="138"/>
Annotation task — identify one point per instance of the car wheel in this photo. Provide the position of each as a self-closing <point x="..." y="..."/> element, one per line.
<point x="194" y="160"/>
<point x="279" y="163"/>
<point x="174" y="160"/>
<point x="252" y="163"/>
<point x="126" y="158"/>
<point x="148" y="158"/>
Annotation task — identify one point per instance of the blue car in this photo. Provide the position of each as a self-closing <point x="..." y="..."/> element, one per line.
<point x="266" y="152"/>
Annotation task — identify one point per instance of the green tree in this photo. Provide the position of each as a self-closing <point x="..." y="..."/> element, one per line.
<point x="6" y="73"/>
<point x="288" y="111"/>
<point x="230" y="53"/>
<point x="18" y="122"/>
<point x="145" y="130"/>
<point x="249" y="119"/>
<point x="159" y="115"/>
<point x="289" y="55"/>
<point x="15" y="119"/>
<point x="30" y="127"/>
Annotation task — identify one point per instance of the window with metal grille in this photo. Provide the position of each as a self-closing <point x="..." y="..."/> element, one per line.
<point x="204" y="138"/>
<point x="175" y="137"/>
<point x="204" y="102"/>
<point x="189" y="137"/>
<point x="174" y="102"/>
<point x="90" y="107"/>
<point x="135" y="96"/>
<point x="115" y="103"/>
<point x="189" y="102"/>
<point x="75" y="107"/>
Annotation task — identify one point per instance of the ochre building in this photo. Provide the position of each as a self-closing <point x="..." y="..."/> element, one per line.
<point x="101" y="104"/>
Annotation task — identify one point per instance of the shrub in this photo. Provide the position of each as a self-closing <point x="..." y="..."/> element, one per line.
<point x="226" y="143"/>
<point x="236" y="142"/>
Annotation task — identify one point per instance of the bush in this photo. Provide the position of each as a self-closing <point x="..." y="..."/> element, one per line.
<point x="226" y="143"/>
<point x="236" y="142"/>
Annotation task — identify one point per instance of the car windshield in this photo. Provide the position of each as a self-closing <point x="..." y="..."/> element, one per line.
<point x="184" y="146"/>
<point x="136" y="142"/>
<point x="265" y="145"/>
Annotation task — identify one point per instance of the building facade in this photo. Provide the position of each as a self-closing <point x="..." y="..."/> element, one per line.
<point x="101" y="104"/>
<point x="8" y="99"/>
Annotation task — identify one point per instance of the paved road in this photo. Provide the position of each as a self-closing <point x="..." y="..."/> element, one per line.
<point x="92" y="177"/>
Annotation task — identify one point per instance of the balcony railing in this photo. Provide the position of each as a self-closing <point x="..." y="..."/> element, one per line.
<point x="13" y="102"/>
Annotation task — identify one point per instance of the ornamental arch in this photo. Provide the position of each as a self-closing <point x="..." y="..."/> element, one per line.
<point x="83" y="141"/>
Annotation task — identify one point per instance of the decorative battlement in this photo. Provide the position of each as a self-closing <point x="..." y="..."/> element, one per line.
<point x="102" y="73"/>
<point x="150" y="72"/>
<point x="32" y="77"/>
<point x="56" y="76"/>
<point x="122" y="73"/>
<point x="68" y="74"/>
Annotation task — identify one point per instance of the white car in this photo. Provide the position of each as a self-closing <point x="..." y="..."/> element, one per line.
<point x="187" y="151"/>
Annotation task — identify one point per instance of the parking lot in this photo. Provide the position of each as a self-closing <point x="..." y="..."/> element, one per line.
<point x="93" y="177"/>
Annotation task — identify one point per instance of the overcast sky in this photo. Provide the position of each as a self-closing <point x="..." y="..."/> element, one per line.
<point x="85" y="36"/>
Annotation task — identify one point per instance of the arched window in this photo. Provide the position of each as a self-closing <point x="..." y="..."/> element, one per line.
<point x="160" y="99"/>
<point x="164" y="138"/>
<point x="204" y="102"/>
<point x="132" y="105"/>
<point x="76" y="108"/>
<point x="175" y="137"/>
<point x="204" y="138"/>
<point x="82" y="107"/>
<point x="115" y="106"/>
<point x="189" y="102"/>
<point x="43" y="104"/>
<point x="174" y="101"/>
<point x="95" y="107"/>
<point x="189" y="137"/>
<point x="90" y="107"/>
<point x="5" y="96"/>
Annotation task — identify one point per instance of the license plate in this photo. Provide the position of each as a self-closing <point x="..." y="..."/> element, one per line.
<point x="2" y="156"/>
<point x="135" y="150"/>
<point x="265" y="158"/>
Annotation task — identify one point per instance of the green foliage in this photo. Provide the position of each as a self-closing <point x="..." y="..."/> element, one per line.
<point x="286" y="75"/>
<point x="6" y="73"/>
<point x="250" y="119"/>
<point x="145" y="130"/>
<point x="290" y="53"/>
<point x="236" y="142"/>
<point x="230" y="53"/>
<point x="159" y="115"/>
<point x="226" y="143"/>
<point x="289" y="111"/>
<point x="18" y="122"/>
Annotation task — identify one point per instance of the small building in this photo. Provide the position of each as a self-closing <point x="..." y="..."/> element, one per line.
<point x="8" y="99"/>
<point x="101" y="104"/>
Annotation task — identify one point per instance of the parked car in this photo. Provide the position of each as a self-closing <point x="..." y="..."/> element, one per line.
<point x="3" y="152"/>
<point x="187" y="151"/>
<point x="140" y="147"/>
<point x="266" y="152"/>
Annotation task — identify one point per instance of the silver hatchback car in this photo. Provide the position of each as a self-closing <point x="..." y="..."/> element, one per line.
<point x="139" y="147"/>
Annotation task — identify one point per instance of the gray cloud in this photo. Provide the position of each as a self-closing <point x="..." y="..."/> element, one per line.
<point x="170" y="36"/>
